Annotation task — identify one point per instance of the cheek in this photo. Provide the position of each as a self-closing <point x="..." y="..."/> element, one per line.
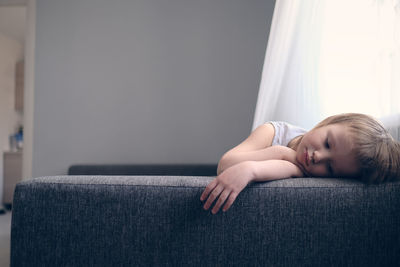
<point x="299" y="154"/>
<point x="318" y="170"/>
<point x="307" y="140"/>
<point x="302" y="145"/>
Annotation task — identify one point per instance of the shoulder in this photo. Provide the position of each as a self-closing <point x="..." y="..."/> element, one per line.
<point x="260" y="138"/>
<point x="263" y="135"/>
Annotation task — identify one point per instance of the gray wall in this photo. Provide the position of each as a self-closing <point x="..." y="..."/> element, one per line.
<point x="145" y="81"/>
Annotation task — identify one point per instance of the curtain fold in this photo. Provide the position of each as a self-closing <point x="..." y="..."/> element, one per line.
<point x="288" y="85"/>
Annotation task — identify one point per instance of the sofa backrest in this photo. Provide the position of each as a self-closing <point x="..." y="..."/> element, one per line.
<point x="159" y="221"/>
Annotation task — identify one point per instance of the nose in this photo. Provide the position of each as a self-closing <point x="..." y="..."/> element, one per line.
<point x="320" y="156"/>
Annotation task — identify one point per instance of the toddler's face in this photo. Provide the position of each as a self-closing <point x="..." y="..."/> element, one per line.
<point x="327" y="152"/>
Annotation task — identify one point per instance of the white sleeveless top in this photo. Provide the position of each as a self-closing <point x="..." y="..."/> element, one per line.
<point x="285" y="132"/>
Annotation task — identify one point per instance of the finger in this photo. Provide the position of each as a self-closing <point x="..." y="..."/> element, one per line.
<point x="214" y="194"/>
<point x="208" y="189"/>
<point x="222" y="198"/>
<point x="229" y="202"/>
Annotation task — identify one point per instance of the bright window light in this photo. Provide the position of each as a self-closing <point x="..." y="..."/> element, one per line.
<point x="359" y="53"/>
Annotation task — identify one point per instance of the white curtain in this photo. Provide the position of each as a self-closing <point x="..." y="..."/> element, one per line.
<point x="330" y="56"/>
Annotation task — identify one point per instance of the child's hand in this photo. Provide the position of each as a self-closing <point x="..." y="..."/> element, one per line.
<point x="227" y="186"/>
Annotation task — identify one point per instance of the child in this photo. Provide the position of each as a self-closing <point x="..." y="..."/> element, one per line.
<point x="348" y="145"/>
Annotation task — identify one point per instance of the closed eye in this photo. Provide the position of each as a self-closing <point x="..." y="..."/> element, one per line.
<point x="327" y="145"/>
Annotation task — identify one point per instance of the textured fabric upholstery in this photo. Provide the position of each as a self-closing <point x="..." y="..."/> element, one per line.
<point x="159" y="221"/>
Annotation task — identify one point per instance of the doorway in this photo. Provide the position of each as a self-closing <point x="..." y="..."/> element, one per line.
<point x="13" y="16"/>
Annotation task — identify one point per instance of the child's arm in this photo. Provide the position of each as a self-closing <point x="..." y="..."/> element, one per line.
<point x="227" y="186"/>
<point x="268" y="153"/>
<point x="250" y="149"/>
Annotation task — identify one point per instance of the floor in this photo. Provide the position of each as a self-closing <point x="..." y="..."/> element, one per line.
<point x="5" y="229"/>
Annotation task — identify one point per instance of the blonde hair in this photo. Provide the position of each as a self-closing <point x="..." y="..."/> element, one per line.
<point x="377" y="153"/>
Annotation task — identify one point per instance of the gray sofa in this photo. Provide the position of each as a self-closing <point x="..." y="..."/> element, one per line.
<point x="159" y="221"/>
